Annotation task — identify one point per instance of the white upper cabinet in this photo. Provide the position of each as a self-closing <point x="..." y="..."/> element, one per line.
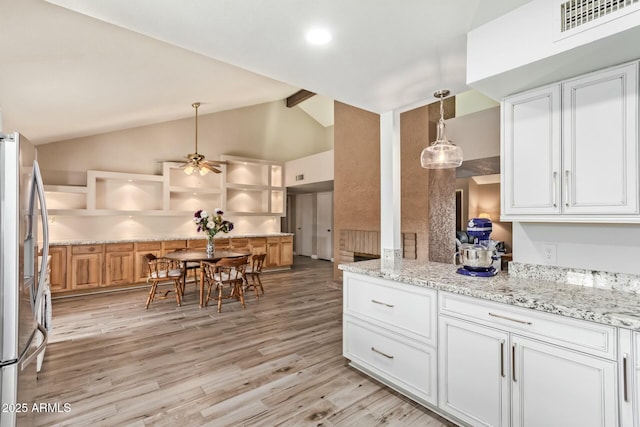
<point x="600" y="142"/>
<point x="570" y="150"/>
<point x="531" y="152"/>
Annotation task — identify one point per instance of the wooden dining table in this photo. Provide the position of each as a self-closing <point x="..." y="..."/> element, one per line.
<point x="197" y="256"/>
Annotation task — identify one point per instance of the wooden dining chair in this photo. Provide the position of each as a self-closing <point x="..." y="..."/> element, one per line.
<point x="188" y="266"/>
<point x="253" y="271"/>
<point x="162" y="272"/>
<point x="228" y="273"/>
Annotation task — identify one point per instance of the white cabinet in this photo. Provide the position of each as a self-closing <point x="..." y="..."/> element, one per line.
<point x="553" y="386"/>
<point x="531" y="152"/>
<point x="570" y="150"/>
<point x="473" y="372"/>
<point x="389" y="332"/>
<point x="628" y="375"/>
<point x="502" y="365"/>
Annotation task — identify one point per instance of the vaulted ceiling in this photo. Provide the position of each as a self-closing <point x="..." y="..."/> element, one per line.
<point x="79" y="67"/>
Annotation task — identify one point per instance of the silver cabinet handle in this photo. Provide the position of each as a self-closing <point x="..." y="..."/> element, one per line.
<point x="567" y="199"/>
<point x="555" y="184"/>
<point x="502" y="358"/>
<point x="513" y="362"/>
<point x="382" y="303"/>
<point x="624" y="377"/>
<point x="379" y="352"/>
<point x="524" y="322"/>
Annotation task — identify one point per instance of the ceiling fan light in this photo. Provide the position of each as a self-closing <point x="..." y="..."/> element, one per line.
<point x="188" y="169"/>
<point x="203" y="171"/>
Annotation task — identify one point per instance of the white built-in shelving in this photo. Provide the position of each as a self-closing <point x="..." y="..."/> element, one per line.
<point x="244" y="187"/>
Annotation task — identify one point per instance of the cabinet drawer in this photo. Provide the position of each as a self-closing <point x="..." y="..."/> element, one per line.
<point x="174" y="244"/>
<point x="148" y="246"/>
<point x="273" y="239"/>
<point x="401" y="363"/>
<point x="119" y="247"/>
<point x="588" y="337"/>
<point x="409" y="309"/>
<point x="86" y="249"/>
<point x="286" y="239"/>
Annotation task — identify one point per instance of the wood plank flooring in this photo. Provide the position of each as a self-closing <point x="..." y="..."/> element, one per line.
<point x="277" y="362"/>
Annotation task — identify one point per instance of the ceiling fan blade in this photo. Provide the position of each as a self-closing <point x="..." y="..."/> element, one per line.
<point x="217" y="162"/>
<point x="211" y="168"/>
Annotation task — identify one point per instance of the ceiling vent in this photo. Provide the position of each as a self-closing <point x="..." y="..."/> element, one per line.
<point x="576" y="14"/>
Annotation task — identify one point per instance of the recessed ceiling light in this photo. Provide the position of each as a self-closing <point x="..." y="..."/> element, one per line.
<point x="318" y="36"/>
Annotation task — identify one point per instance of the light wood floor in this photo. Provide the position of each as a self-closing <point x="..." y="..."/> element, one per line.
<point x="278" y="362"/>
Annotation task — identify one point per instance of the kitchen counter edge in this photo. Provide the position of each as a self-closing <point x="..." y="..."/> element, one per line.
<point x="609" y="307"/>
<point x="161" y="239"/>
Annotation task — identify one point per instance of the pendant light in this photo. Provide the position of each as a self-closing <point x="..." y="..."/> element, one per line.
<point x="442" y="153"/>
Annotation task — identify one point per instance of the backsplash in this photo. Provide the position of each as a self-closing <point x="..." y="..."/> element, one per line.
<point x="576" y="276"/>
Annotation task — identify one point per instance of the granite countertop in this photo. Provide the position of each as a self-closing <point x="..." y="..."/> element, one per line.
<point x="159" y="239"/>
<point x="606" y="306"/>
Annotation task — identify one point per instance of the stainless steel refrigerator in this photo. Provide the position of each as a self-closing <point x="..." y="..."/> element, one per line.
<point x="21" y="279"/>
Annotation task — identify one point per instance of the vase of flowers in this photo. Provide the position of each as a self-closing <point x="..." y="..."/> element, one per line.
<point x="211" y="224"/>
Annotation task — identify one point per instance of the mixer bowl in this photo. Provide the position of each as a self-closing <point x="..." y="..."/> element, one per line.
<point x="476" y="256"/>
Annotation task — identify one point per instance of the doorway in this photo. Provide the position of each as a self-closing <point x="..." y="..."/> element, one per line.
<point x="304" y="224"/>
<point x="324" y="227"/>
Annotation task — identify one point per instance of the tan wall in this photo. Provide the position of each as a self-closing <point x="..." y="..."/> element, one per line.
<point x="357" y="172"/>
<point x="266" y="131"/>
<point x="486" y="199"/>
<point x="414" y="137"/>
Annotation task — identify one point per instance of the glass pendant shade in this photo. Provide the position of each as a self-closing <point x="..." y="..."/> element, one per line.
<point x="442" y="153"/>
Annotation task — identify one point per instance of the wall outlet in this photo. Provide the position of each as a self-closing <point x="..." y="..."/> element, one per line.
<point x="549" y="253"/>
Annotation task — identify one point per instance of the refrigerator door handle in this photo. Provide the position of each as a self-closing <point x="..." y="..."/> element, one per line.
<point x="37" y="177"/>
<point x="45" y="336"/>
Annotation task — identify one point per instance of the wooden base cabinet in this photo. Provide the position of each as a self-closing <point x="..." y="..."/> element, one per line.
<point x="86" y="266"/>
<point x="58" y="267"/>
<point x="119" y="264"/>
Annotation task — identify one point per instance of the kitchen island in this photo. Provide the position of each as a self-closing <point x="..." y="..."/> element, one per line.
<point x="507" y="350"/>
<point x="88" y="265"/>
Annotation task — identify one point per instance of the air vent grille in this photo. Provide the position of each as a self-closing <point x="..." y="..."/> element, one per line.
<point x="575" y="13"/>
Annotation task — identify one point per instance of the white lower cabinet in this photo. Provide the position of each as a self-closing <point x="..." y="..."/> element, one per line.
<point x="492" y="374"/>
<point x="389" y="332"/>
<point x="481" y="363"/>
<point x="628" y="374"/>
<point x="473" y="372"/>
<point x="552" y="386"/>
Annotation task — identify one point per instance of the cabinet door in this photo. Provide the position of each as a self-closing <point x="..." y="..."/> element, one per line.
<point x="600" y="142"/>
<point x="531" y="152"/>
<point x="119" y="268"/>
<point x="473" y="372"/>
<point x="141" y="270"/>
<point x="58" y="265"/>
<point x="86" y="270"/>
<point x="286" y="251"/>
<point x="273" y="253"/>
<point x="552" y="386"/>
<point x="626" y="376"/>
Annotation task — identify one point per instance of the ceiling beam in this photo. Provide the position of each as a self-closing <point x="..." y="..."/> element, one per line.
<point x="298" y="97"/>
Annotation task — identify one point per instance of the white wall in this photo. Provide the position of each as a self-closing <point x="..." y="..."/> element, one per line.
<point x="602" y="247"/>
<point x="522" y="49"/>
<point x="114" y="228"/>
<point x="315" y="168"/>
<point x="478" y="133"/>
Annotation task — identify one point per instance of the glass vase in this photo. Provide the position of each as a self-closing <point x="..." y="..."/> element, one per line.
<point x="211" y="245"/>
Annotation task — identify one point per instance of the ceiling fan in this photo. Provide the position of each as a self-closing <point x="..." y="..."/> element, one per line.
<point x="196" y="161"/>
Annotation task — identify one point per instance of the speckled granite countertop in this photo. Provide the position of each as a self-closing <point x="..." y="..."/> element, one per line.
<point x="159" y="239"/>
<point x="606" y="306"/>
